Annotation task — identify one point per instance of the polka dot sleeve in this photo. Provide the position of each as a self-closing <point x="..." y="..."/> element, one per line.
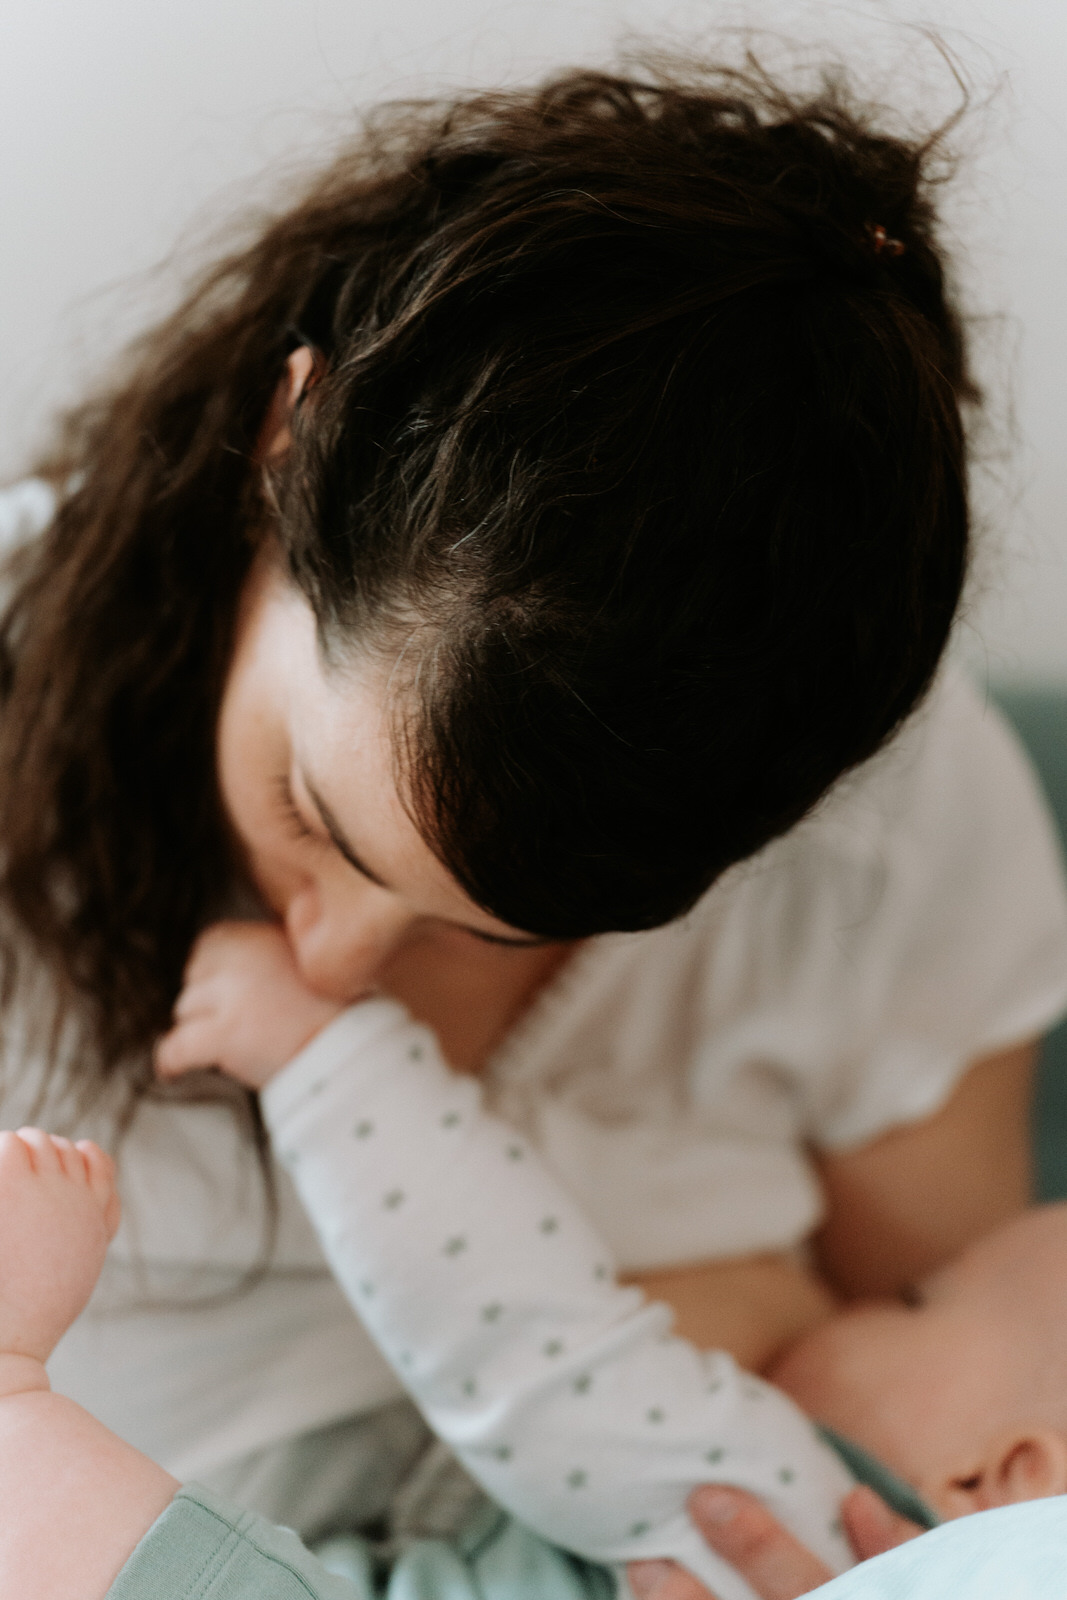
<point x="564" y="1394"/>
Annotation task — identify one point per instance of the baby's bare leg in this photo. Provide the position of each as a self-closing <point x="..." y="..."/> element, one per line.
<point x="76" y="1499"/>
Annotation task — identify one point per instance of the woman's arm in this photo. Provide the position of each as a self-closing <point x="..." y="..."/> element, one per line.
<point x="901" y="1205"/>
<point x="897" y="1208"/>
<point x="752" y="1306"/>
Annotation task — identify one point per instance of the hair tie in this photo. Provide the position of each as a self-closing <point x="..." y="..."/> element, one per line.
<point x="881" y="241"/>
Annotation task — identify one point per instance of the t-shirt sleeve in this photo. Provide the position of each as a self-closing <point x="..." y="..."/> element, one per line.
<point x="837" y="985"/>
<point x="956" y="945"/>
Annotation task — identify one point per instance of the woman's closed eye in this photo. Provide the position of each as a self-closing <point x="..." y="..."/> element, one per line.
<point x="287" y="808"/>
<point x="325" y="831"/>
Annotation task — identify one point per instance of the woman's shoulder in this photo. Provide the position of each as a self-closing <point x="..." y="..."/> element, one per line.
<point x="947" y="817"/>
<point x="945" y="825"/>
<point x="953" y="770"/>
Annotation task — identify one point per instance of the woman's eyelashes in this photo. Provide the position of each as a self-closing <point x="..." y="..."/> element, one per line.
<point x="287" y="807"/>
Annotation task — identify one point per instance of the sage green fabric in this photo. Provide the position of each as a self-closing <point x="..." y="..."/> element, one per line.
<point x="865" y="1468"/>
<point x="1039" y="716"/>
<point x="202" y="1548"/>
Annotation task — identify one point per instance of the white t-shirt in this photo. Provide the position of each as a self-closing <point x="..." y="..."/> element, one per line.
<point x="834" y="987"/>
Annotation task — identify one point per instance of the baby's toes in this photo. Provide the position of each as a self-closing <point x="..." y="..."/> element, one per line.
<point x="16" y="1155"/>
<point x="71" y="1163"/>
<point x="101" y="1172"/>
<point x="43" y="1152"/>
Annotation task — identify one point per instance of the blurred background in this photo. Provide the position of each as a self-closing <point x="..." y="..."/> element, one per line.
<point x="132" y="130"/>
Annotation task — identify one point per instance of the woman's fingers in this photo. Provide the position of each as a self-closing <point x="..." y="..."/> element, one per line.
<point x="741" y="1530"/>
<point x="871" y="1527"/>
<point x="665" y="1580"/>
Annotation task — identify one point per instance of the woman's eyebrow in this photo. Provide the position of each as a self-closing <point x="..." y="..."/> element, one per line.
<point x="337" y="836"/>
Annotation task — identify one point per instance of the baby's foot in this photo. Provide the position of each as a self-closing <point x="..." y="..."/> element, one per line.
<point x="58" y="1214"/>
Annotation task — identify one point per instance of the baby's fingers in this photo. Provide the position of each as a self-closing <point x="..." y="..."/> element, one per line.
<point x="188" y="1047"/>
<point x="204" y="957"/>
<point x="196" y="1000"/>
<point x="224" y="942"/>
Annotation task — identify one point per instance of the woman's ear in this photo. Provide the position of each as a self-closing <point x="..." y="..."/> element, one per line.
<point x="1021" y="1465"/>
<point x="302" y="370"/>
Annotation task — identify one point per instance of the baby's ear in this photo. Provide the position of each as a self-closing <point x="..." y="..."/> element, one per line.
<point x="1021" y="1465"/>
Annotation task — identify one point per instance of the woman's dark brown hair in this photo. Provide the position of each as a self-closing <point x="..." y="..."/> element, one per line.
<point x="632" y="423"/>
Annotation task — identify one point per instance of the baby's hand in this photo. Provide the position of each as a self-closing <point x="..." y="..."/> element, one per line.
<point x="244" y="1008"/>
<point x="58" y="1214"/>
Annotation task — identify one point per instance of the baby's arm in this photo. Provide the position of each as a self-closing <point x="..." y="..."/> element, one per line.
<point x="76" y="1500"/>
<point x="485" y="1286"/>
<point x="496" y="1302"/>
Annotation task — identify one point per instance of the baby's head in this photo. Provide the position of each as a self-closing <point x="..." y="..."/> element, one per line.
<point x="961" y="1388"/>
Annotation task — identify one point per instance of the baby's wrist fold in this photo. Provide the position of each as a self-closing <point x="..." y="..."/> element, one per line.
<point x="353" y="1034"/>
<point x="21" y="1374"/>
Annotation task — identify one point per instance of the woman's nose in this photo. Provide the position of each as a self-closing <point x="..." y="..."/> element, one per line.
<point x="340" y="943"/>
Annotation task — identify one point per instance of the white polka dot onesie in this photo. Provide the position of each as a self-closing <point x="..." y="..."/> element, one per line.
<point x="564" y="1394"/>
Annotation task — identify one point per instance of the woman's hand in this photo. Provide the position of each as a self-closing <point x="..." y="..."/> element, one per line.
<point x="243" y="1007"/>
<point x="740" y="1529"/>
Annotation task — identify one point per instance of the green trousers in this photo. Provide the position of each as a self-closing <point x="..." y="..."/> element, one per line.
<point x="203" y="1548"/>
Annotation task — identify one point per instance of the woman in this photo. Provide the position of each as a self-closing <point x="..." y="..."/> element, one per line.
<point x="613" y="431"/>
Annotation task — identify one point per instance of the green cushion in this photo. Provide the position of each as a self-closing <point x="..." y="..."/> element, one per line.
<point x="1039" y="715"/>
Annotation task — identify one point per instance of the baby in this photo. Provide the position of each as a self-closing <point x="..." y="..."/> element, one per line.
<point x="564" y="1394"/>
<point x="962" y="1390"/>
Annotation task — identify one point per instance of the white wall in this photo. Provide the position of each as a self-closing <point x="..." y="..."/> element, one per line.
<point x="129" y="125"/>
